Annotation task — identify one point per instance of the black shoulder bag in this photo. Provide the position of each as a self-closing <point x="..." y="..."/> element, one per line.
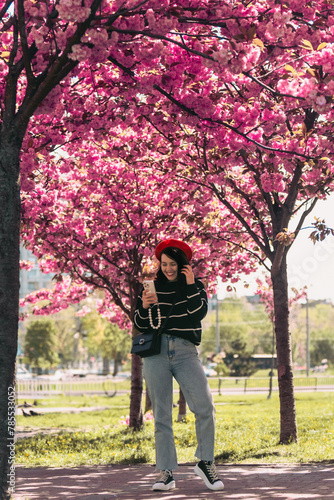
<point x="149" y="343"/>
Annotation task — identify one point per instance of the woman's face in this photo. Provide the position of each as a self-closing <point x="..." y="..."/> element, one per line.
<point x="169" y="267"/>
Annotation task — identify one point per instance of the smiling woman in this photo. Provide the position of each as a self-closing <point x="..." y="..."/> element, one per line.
<point x="169" y="267"/>
<point x="179" y="304"/>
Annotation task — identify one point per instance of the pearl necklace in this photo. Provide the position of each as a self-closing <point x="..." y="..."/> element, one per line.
<point x="155" y="327"/>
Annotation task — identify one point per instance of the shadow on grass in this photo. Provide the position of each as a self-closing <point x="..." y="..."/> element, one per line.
<point x="233" y="456"/>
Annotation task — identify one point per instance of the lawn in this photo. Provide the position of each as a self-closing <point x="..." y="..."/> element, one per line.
<point x="247" y="432"/>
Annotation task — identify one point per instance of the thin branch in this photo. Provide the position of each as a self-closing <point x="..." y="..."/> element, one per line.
<point x="85" y="279"/>
<point x="304" y="215"/>
<point x="231" y="209"/>
<point x="126" y="70"/>
<point x="5" y="8"/>
<point x="148" y="119"/>
<point x="210" y="22"/>
<point x="253" y="208"/>
<point x="247" y="250"/>
<point x="277" y="67"/>
<point x="272" y="91"/>
<point x="227" y="125"/>
<point x="60" y="69"/>
<point x="243" y="222"/>
<point x="165" y="38"/>
<point x="24" y="42"/>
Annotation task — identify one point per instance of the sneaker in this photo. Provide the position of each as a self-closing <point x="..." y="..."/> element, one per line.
<point x="164" y="482"/>
<point x="207" y="471"/>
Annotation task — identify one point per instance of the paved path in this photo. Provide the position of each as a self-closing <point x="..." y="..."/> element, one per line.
<point x="283" y="482"/>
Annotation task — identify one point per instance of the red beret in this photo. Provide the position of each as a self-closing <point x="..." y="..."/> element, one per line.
<point x="175" y="244"/>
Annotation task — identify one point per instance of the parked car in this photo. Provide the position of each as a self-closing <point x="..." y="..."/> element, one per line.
<point x="209" y="370"/>
<point x="77" y="373"/>
<point x="22" y="373"/>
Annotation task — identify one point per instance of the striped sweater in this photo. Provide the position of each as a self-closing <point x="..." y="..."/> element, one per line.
<point x="187" y="313"/>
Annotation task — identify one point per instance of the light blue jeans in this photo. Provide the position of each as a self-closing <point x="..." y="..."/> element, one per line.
<point x="179" y="359"/>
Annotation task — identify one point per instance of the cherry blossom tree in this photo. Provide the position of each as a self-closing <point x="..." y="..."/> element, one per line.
<point x="266" y="294"/>
<point x="265" y="193"/>
<point x="109" y="216"/>
<point x="249" y="111"/>
<point x="254" y="80"/>
<point x="50" y="52"/>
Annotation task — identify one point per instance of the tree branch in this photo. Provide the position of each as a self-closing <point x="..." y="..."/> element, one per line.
<point x="24" y="42"/>
<point x="61" y="68"/>
<point x="5" y="8"/>
<point x="227" y="125"/>
<point x="272" y="91"/>
<point x="304" y="215"/>
<point x="89" y="280"/>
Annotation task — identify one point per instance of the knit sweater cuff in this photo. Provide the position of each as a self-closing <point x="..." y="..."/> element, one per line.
<point x="143" y="312"/>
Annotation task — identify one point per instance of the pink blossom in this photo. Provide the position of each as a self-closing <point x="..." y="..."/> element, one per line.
<point x="272" y="182"/>
<point x="26" y="264"/>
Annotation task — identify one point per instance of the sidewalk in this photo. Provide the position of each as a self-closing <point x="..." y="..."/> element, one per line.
<point x="246" y="482"/>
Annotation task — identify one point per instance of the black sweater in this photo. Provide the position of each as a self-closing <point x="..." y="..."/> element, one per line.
<point x="185" y="319"/>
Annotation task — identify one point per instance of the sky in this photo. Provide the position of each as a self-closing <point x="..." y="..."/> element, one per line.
<point x="308" y="264"/>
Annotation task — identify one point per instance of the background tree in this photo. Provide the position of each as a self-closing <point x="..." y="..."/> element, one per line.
<point x="322" y="349"/>
<point x="116" y="345"/>
<point x="221" y="368"/>
<point x="320" y="319"/>
<point x="67" y="326"/>
<point x="112" y="212"/>
<point x="107" y="340"/>
<point x="239" y="360"/>
<point x="40" y="344"/>
<point x="268" y="158"/>
<point x="239" y="319"/>
<point x="110" y="55"/>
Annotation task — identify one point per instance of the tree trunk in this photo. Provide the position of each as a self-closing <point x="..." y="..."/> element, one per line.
<point x="182" y="407"/>
<point x="9" y="303"/>
<point x="288" y="432"/>
<point x="148" y="404"/>
<point x="117" y="363"/>
<point x="106" y="366"/>
<point x="115" y="370"/>
<point x="136" y="411"/>
<point x="271" y="375"/>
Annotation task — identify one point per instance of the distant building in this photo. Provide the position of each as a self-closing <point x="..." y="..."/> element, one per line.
<point x="34" y="279"/>
<point x="263" y="361"/>
<point x="253" y="299"/>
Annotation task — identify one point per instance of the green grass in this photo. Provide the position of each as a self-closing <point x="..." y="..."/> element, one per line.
<point x="73" y="401"/>
<point x="247" y="432"/>
<point x="85" y="420"/>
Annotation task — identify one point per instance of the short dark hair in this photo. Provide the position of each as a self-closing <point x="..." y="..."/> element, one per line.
<point x="181" y="259"/>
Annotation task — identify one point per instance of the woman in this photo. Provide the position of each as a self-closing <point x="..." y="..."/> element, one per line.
<point x="177" y="287"/>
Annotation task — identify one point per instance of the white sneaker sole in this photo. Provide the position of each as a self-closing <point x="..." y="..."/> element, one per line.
<point x="163" y="487"/>
<point x="216" y="486"/>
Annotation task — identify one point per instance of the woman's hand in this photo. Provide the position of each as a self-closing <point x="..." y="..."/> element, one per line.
<point x="149" y="299"/>
<point x="188" y="272"/>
